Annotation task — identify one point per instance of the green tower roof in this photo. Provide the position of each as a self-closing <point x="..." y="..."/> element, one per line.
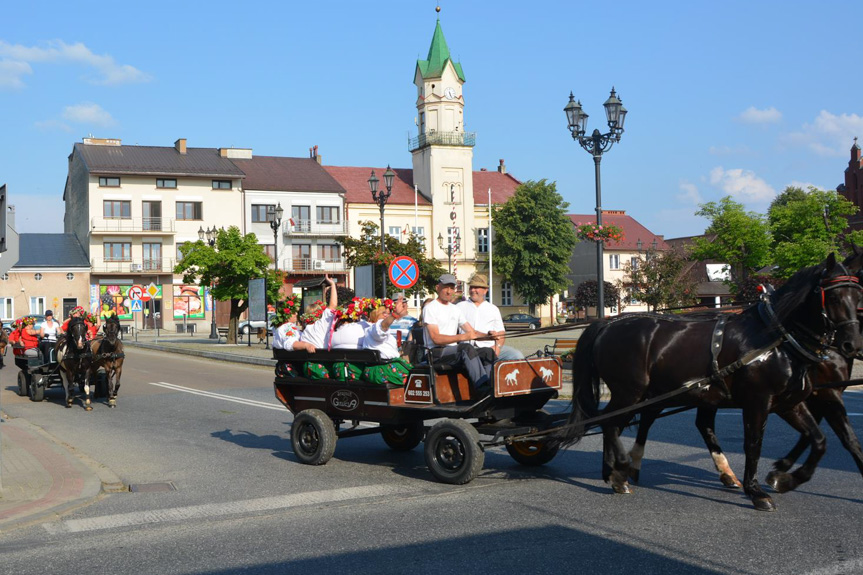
<point x="437" y="58"/>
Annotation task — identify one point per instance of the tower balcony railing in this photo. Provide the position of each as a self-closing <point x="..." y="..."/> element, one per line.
<point x="442" y="138"/>
<point x="132" y="225"/>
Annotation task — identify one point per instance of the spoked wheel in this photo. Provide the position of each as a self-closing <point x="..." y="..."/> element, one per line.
<point x="453" y="453"/>
<point x="533" y="453"/>
<point x="313" y="437"/>
<point x="37" y="388"/>
<point x="403" y="437"/>
<point x="23" y="384"/>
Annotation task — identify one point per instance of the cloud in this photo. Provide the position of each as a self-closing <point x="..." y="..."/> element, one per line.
<point x="690" y="193"/>
<point x="828" y="134"/>
<point x="742" y="185"/>
<point x="88" y="113"/>
<point x="17" y="59"/>
<point x="753" y="115"/>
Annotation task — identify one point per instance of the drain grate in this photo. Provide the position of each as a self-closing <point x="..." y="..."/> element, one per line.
<point x="152" y="487"/>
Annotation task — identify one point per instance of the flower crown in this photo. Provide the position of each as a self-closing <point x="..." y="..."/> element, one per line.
<point x="285" y="309"/>
<point x="90" y="317"/>
<point x="313" y="316"/>
<point x="24" y="321"/>
<point x="76" y="310"/>
<point x="360" y="308"/>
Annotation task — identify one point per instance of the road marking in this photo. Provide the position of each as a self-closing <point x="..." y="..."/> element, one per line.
<point x="211" y="510"/>
<point x="213" y="395"/>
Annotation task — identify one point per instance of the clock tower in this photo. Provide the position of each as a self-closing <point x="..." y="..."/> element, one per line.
<point x="443" y="152"/>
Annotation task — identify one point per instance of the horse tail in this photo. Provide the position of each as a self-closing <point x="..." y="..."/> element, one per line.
<point x="585" y="385"/>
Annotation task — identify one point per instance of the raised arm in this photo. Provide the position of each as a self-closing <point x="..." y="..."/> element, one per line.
<point x="334" y="292"/>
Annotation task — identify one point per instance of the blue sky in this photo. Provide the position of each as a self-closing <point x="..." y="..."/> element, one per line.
<point x="739" y="98"/>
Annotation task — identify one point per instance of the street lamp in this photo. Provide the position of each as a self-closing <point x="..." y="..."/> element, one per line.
<point x="453" y="246"/>
<point x="380" y="198"/>
<point x="596" y="144"/>
<point x="210" y="236"/>
<point x="274" y="215"/>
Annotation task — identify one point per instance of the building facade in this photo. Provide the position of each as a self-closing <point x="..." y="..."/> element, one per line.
<point x="852" y="188"/>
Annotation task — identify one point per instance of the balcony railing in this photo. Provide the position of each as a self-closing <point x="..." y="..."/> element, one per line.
<point x="313" y="265"/>
<point x="136" y="266"/>
<point x="128" y="225"/>
<point x="312" y="228"/>
<point x="442" y="138"/>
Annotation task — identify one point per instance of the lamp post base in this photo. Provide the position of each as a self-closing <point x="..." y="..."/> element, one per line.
<point x="213" y="333"/>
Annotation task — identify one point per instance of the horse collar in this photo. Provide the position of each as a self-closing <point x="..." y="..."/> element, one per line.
<point x="768" y="316"/>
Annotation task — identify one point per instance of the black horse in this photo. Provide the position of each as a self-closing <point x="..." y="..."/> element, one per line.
<point x="74" y="356"/>
<point x="759" y="366"/>
<point x="108" y="358"/>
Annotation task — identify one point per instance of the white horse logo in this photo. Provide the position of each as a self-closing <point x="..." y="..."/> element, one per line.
<point x="510" y="378"/>
<point x="546" y="374"/>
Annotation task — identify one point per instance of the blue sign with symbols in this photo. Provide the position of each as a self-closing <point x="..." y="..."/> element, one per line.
<point x="137" y="305"/>
<point x="404" y="272"/>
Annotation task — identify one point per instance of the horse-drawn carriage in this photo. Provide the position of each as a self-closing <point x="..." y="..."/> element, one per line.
<point x="453" y="449"/>
<point x="36" y="375"/>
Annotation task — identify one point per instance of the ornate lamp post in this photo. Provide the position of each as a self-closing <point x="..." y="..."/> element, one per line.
<point x="274" y="215"/>
<point x="210" y="236"/>
<point x="596" y="144"/>
<point x="380" y="198"/>
<point x="452" y="246"/>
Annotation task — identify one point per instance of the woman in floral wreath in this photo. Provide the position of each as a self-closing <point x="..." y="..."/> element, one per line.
<point x="378" y="337"/>
<point x="351" y="323"/>
<point x="79" y="311"/>
<point x="24" y="337"/>
<point x="287" y="334"/>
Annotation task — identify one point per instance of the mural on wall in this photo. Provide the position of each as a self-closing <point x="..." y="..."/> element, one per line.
<point x="188" y="302"/>
<point x="116" y="298"/>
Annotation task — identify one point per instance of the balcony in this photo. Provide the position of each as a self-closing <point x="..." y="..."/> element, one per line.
<point x="313" y="266"/>
<point x="309" y="228"/>
<point x="137" y="266"/>
<point x="466" y="139"/>
<point x="144" y="226"/>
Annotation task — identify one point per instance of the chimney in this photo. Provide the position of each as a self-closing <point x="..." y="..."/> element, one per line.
<point x="502" y="167"/>
<point x="314" y="152"/>
<point x="180" y="145"/>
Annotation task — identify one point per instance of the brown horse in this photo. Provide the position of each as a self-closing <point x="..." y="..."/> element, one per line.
<point x="108" y="358"/>
<point x="756" y="368"/>
<point x="74" y="356"/>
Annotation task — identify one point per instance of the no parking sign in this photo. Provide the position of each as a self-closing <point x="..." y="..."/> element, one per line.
<point x="403" y="272"/>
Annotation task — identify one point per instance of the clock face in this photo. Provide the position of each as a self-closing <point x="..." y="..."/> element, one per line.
<point x="449" y="93"/>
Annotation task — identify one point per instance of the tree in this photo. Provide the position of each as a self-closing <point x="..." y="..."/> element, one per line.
<point x="806" y="226"/>
<point x="533" y="241"/>
<point x="229" y="265"/>
<point x="658" y="279"/>
<point x="738" y="238"/>
<point x="586" y="295"/>
<point x="367" y="250"/>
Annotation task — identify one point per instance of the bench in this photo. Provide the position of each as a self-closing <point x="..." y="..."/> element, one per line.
<point x="223" y="332"/>
<point x="561" y="345"/>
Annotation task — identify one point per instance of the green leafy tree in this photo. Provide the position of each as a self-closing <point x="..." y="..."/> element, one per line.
<point x="806" y="226"/>
<point x="736" y="237"/>
<point x="658" y="279"/>
<point x="367" y="251"/>
<point x="587" y="294"/>
<point x="534" y="239"/>
<point x="229" y="264"/>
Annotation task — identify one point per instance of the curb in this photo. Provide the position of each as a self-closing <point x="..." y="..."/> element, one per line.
<point x="230" y="357"/>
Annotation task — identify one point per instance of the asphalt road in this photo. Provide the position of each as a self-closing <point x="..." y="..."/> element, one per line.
<point x="238" y="501"/>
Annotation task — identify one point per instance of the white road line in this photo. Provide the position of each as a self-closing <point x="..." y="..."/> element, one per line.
<point x="211" y="510"/>
<point x="213" y="395"/>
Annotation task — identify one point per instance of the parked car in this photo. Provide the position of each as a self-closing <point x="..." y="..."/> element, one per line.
<point x="243" y="326"/>
<point x="517" y="321"/>
<point x="402" y="326"/>
<point x="7" y="325"/>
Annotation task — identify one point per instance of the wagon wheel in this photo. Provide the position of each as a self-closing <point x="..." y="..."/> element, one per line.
<point x="403" y="437"/>
<point x="37" y="388"/>
<point x="100" y="389"/>
<point x="452" y="451"/>
<point x="533" y="453"/>
<point x="23" y="384"/>
<point x="313" y="437"/>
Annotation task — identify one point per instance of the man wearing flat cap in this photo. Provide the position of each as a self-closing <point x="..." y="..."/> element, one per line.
<point x="485" y="318"/>
<point x="443" y="320"/>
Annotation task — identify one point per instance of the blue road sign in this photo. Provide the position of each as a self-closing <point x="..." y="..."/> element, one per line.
<point x="404" y="272"/>
<point x="137" y="305"/>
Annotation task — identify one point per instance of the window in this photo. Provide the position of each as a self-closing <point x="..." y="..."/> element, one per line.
<point x="506" y="293"/>
<point x="633" y="298"/>
<point x="261" y="212"/>
<point x="152" y="212"/>
<point x="328" y="214"/>
<point x="633" y="263"/>
<point x="7" y="307"/>
<point x="222" y="184"/>
<point x="302" y="216"/>
<point x="420" y="233"/>
<point x="70" y="276"/>
<point x="418" y="299"/>
<point x="180" y="253"/>
<point x="189" y="211"/>
<point x="395" y="232"/>
<point x="117" y="209"/>
<point x="450" y="234"/>
<point x="152" y="256"/>
<point x="168" y="183"/>
<point x="118" y="252"/>
<point x="109" y="182"/>
<point x="614" y="261"/>
<point x="270" y="250"/>
<point x="37" y="277"/>
<point x="329" y="252"/>
<point x="37" y="304"/>
<point x="482" y="240"/>
<point x="301" y="254"/>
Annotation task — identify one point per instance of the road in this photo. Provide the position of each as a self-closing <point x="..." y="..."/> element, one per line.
<point x="218" y="490"/>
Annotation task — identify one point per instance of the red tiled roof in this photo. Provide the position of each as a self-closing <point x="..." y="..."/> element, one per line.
<point x="632" y="230"/>
<point x="502" y="187"/>
<point x="275" y="173"/>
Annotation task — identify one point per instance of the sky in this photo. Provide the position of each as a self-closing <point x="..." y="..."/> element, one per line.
<point x="734" y="98"/>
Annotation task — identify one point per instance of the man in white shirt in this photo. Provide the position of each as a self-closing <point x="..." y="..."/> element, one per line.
<point x="485" y="318"/>
<point x="443" y="320"/>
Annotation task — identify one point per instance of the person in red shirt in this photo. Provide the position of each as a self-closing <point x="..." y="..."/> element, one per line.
<point x="24" y="338"/>
<point x="80" y="312"/>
